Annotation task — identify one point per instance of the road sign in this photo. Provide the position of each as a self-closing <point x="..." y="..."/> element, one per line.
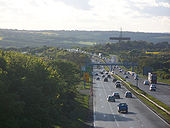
<point x="87" y="77"/>
<point x="84" y="76"/>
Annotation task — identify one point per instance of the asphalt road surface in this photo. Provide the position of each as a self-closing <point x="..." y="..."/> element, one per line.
<point x="106" y="114"/>
<point x="162" y="92"/>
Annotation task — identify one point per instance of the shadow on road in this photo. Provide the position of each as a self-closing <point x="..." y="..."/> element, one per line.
<point x="131" y="113"/>
<point x="122" y="118"/>
<point x="164" y="84"/>
<point x="110" y="117"/>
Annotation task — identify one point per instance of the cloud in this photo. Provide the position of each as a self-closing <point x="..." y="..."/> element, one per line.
<point x="80" y="4"/>
<point x="134" y="15"/>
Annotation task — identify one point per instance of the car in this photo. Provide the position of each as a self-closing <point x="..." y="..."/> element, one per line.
<point x="96" y="74"/>
<point x="120" y="70"/>
<point x="118" y="85"/>
<point x="114" y="80"/>
<point x="124" y="73"/>
<point x="108" y="76"/>
<point x="105" y="79"/>
<point x="136" y="78"/>
<point x="103" y="75"/>
<point x="153" y="85"/>
<point x="101" y="72"/>
<point x="128" y="94"/>
<point x="126" y="77"/>
<point x="122" y="107"/>
<point x="151" y="88"/>
<point x="116" y="95"/>
<point x="111" y="98"/>
<point x="98" y="78"/>
<point x="146" y="82"/>
<point x="107" y="73"/>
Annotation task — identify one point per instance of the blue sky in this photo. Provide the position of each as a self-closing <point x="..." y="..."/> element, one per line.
<point x="131" y="15"/>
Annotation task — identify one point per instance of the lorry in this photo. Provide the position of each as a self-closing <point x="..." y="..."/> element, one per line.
<point x="152" y="78"/>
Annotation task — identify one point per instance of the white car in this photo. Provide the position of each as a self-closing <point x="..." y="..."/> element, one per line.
<point x="152" y="87"/>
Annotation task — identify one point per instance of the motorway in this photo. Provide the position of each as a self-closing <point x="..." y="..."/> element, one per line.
<point x="106" y="114"/>
<point x="162" y="92"/>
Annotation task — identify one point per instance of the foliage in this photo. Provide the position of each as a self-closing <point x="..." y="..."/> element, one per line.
<point x="137" y="52"/>
<point x="36" y="92"/>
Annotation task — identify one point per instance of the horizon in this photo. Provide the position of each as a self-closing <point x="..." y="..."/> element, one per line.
<point x="81" y="30"/>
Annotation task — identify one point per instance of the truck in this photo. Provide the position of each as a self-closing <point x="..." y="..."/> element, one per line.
<point x="152" y="78"/>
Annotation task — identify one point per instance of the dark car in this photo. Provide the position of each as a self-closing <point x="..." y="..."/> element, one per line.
<point x="96" y="74"/>
<point x="146" y="82"/>
<point x="111" y="98"/>
<point x="114" y="80"/>
<point x="125" y="76"/>
<point x="136" y="78"/>
<point x="98" y="78"/>
<point x="105" y="79"/>
<point x="107" y="73"/>
<point x="128" y="94"/>
<point x="116" y="95"/>
<point x="117" y="84"/>
<point x="103" y="75"/>
<point x="123" y="107"/>
<point x="108" y="76"/>
<point x="101" y="72"/>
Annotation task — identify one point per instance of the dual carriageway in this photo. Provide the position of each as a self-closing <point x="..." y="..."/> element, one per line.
<point x="106" y="114"/>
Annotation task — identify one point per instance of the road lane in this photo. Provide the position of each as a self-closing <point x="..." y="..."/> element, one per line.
<point x="106" y="114"/>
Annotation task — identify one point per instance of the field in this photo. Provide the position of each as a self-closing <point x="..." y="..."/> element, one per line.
<point x="68" y="39"/>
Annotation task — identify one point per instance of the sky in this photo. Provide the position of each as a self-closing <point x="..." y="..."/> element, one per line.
<point x="104" y="15"/>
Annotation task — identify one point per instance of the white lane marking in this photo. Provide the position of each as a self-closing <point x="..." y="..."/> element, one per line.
<point x="115" y="120"/>
<point x="104" y="116"/>
<point x="94" y="113"/>
<point x="110" y="107"/>
<point x="102" y="106"/>
<point x="94" y="116"/>
<point x="99" y="94"/>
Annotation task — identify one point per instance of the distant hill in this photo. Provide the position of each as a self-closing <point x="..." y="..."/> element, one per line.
<point x="66" y="39"/>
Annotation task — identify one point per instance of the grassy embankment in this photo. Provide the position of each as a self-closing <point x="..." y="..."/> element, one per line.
<point x="79" y="116"/>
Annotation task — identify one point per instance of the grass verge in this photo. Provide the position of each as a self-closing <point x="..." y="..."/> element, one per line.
<point x="79" y="116"/>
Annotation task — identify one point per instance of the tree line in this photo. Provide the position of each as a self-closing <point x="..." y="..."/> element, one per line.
<point x="136" y="51"/>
